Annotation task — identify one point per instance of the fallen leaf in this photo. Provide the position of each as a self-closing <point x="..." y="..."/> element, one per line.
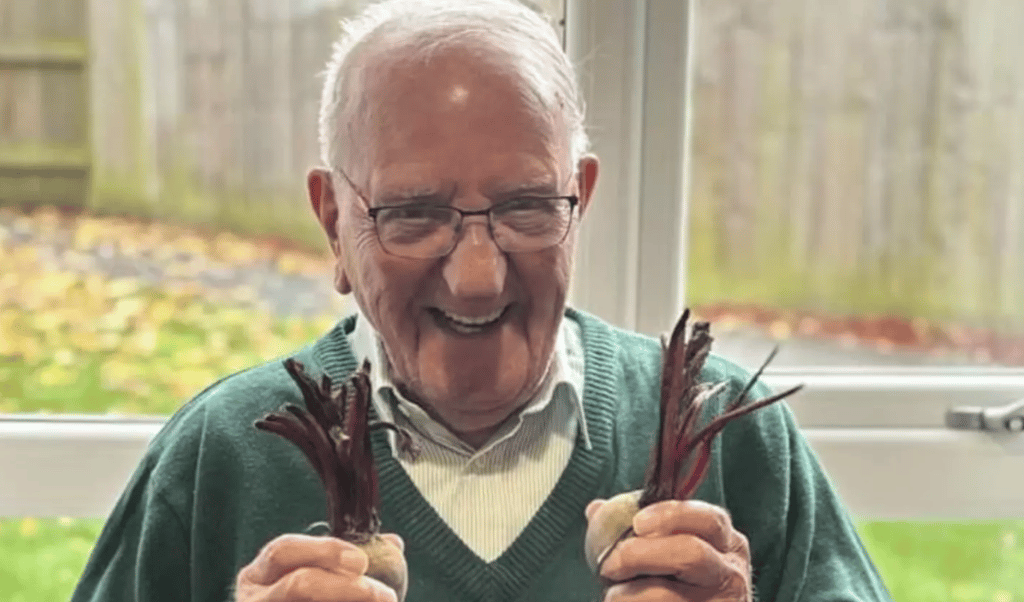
<point x="88" y="233"/>
<point x="780" y="330"/>
<point x="160" y="310"/>
<point x="142" y="343"/>
<point x="64" y="357"/>
<point x="192" y="244"/>
<point x="231" y="248"/>
<point x="55" y="375"/>
<point x="29" y="526"/>
<point x="123" y="287"/>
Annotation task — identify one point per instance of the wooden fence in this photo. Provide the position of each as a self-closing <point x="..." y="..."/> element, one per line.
<point x="861" y="155"/>
<point x="236" y="91"/>
<point x="44" y="144"/>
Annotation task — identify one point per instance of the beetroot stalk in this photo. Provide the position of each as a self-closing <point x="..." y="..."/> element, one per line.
<point x="333" y="432"/>
<point x="681" y="455"/>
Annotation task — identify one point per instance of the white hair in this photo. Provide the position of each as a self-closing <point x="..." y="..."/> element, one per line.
<point x="508" y="29"/>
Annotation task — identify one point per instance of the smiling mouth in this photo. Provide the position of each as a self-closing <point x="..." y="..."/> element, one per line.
<point x="466" y="324"/>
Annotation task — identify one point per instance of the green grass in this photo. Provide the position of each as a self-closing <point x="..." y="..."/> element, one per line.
<point x="41" y="560"/>
<point x="116" y="347"/>
<point x="948" y="561"/>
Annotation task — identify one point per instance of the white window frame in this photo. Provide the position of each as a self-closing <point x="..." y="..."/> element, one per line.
<point x="879" y="433"/>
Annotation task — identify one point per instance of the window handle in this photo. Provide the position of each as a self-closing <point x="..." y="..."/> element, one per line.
<point x="1003" y="419"/>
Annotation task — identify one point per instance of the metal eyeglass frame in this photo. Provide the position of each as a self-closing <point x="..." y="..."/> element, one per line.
<point x="373" y="211"/>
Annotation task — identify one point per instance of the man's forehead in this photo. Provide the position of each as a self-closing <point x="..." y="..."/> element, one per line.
<point x="451" y="78"/>
<point x="458" y="94"/>
<point x="419" y="111"/>
<point x="499" y="174"/>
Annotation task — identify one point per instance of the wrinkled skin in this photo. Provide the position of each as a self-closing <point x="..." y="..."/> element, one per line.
<point x="683" y="551"/>
<point x="321" y="569"/>
<point x="454" y="130"/>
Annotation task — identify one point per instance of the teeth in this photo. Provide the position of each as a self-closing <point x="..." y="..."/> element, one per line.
<point x="474" y="321"/>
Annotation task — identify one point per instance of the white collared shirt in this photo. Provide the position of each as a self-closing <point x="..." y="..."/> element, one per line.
<point x="487" y="496"/>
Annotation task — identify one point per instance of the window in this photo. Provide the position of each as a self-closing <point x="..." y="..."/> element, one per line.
<point x="840" y="179"/>
<point x="175" y="112"/>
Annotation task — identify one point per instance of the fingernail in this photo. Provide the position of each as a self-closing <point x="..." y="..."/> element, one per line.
<point x="643" y="522"/>
<point x="395" y="539"/>
<point x="352" y="558"/>
<point x="610" y="567"/>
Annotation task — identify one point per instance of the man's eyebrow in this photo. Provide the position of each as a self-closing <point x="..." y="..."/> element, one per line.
<point x="540" y="188"/>
<point x="410" y="195"/>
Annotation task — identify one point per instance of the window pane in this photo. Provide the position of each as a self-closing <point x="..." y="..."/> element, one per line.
<point x="856" y="183"/>
<point x="856" y="195"/>
<point x="120" y="316"/>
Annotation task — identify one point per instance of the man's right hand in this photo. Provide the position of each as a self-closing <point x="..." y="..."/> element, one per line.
<point x="294" y="568"/>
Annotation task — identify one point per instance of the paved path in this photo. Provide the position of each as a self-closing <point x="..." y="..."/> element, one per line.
<point x="257" y="281"/>
<point x="749" y="347"/>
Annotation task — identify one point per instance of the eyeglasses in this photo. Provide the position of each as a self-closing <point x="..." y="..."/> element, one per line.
<point x="424" y="231"/>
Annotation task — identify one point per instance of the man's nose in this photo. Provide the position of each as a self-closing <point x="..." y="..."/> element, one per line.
<point x="476" y="266"/>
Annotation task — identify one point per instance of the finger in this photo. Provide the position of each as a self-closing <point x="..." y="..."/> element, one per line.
<point x="683" y="556"/>
<point x="661" y="589"/>
<point x="592" y="507"/>
<point x="289" y="552"/>
<point x="651" y="589"/>
<point x="707" y="521"/>
<point x="395" y="540"/>
<point x="314" y="584"/>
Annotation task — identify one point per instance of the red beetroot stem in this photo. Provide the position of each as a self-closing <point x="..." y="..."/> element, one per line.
<point x="679" y="447"/>
<point x="660" y="469"/>
<point x="333" y="432"/>
<point x="681" y="456"/>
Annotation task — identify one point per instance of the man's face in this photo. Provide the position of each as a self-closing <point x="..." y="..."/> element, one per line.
<point x="455" y="130"/>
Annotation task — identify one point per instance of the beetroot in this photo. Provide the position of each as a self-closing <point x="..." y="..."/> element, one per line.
<point x="334" y="434"/>
<point x="681" y="454"/>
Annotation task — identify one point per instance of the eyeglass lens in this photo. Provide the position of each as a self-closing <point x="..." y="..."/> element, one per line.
<point x="521" y="225"/>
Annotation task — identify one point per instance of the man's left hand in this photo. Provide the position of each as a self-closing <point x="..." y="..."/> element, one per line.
<point x="683" y="552"/>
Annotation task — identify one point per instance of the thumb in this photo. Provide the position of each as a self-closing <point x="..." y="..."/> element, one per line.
<point x="592" y="508"/>
<point x="395" y="540"/>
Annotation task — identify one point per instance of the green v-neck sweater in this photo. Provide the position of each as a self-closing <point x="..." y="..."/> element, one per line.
<point x="212" y="490"/>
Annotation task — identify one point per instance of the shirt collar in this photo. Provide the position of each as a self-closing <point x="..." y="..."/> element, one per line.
<point x="566" y="374"/>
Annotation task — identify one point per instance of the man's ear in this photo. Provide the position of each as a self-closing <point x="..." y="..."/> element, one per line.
<point x="586" y="180"/>
<point x="325" y="206"/>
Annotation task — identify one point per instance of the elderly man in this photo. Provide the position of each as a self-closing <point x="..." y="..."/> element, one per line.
<point x="455" y="179"/>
